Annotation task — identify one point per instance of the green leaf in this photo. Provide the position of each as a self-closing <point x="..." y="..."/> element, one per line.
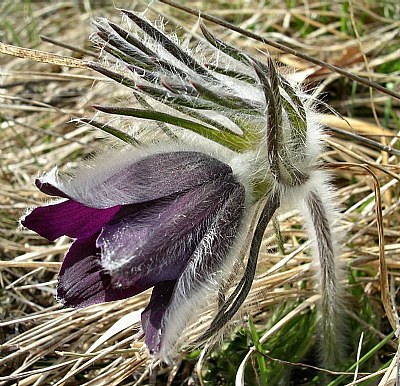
<point x="111" y="130"/>
<point x="125" y="49"/>
<point x="227" y="100"/>
<point x="262" y="367"/>
<point x="131" y="39"/>
<point x="226" y="139"/>
<point x="175" y="99"/>
<point x="283" y="165"/>
<point x="111" y="74"/>
<point x="297" y="117"/>
<point x="227" y="49"/>
<point x="232" y="74"/>
<point x="168" y="44"/>
<point x="164" y="127"/>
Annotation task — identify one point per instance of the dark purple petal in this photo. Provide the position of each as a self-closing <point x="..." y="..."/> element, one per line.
<point x="167" y="314"/>
<point x="82" y="280"/>
<point x="221" y="235"/>
<point x="160" y="238"/>
<point x="50" y="189"/>
<point x="150" y="178"/>
<point x="153" y="315"/>
<point x="68" y="218"/>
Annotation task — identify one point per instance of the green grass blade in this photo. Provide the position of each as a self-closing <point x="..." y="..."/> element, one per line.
<point x="338" y="381"/>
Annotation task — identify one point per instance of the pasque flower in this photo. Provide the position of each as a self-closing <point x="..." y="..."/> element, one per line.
<point x="226" y="138"/>
<point x="166" y="220"/>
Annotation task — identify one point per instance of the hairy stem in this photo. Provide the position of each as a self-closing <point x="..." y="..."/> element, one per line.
<point x="331" y="306"/>
<point x="280" y="160"/>
<point x="236" y="299"/>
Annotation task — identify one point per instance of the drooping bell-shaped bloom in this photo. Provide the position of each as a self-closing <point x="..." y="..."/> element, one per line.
<point x="164" y="220"/>
<point x="172" y="219"/>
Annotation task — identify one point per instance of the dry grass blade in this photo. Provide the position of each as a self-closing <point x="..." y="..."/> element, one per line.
<point x="34" y="372"/>
<point x="283" y="48"/>
<point x="29" y="264"/>
<point x="40" y="56"/>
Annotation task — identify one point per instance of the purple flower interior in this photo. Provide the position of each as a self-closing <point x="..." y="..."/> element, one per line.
<point x="153" y="315"/>
<point x="82" y="280"/>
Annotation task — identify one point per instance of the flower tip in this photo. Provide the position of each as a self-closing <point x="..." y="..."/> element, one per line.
<point x="203" y="27"/>
<point x="49" y="184"/>
<point x="22" y="220"/>
<point x="92" y="65"/>
<point x="40" y="184"/>
<point x="130" y="14"/>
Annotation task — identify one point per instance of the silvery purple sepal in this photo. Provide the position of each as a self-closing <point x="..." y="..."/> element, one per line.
<point x="166" y="220"/>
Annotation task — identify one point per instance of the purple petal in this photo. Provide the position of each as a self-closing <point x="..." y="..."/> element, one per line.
<point x="48" y="188"/>
<point x="165" y="322"/>
<point x="68" y="218"/>
<point x="129" y="180"/>
<point x="82" y="280"/>
<point x="152" y="316"/>
<point x="160" y="238"/>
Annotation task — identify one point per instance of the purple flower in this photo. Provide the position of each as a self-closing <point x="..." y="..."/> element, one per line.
<point x="166" y="220"/>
